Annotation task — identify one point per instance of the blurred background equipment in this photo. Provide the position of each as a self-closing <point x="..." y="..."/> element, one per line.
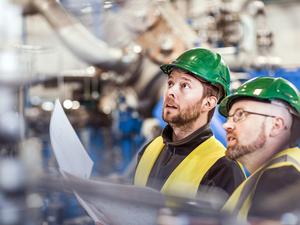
<point x="101" y="59"/>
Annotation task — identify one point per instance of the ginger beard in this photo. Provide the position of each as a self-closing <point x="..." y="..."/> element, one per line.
<point x="180" y="116"/>
<point x="236" y="150"/>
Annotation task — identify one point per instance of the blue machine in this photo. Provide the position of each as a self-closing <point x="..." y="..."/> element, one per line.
<point x="129" y="138"/>
<point x="292" y="75"/>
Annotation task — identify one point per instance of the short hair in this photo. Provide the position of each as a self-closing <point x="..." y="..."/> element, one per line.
<point x="209" y="89"/>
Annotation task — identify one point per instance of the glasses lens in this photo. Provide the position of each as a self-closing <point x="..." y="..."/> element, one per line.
<point x="238" y="115"/>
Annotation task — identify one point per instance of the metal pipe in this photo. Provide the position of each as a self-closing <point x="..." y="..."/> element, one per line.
<point x="78" y="39"/>
<point x="177" y="23"/>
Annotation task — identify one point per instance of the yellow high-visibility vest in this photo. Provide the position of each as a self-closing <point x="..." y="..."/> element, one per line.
<point x="186" y="178"/>
<point x="240" y="201"/>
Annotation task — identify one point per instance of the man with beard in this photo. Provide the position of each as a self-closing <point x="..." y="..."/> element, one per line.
<point x="187" y="155"/>
<point x="262" y="131"/>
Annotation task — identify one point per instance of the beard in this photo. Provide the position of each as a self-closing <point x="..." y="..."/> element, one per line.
<point x="183" y="117"/>
<point x="236" y="151"/>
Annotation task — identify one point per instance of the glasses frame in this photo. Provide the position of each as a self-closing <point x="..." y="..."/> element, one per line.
<point x="245" y="117"/>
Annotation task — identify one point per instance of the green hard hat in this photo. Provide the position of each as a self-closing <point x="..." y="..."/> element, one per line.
<point x="204" y="64"/>
<point x="264" y="89"/>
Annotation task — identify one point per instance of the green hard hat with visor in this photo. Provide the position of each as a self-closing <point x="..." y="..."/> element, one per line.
<point x="205" y="65"/>
<point x="265" y="89"/>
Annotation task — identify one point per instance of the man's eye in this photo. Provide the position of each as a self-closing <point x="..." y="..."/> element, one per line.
<point x="185" y="85"/>
<point x="170" y="84"/>
<point x="240" y="113"/>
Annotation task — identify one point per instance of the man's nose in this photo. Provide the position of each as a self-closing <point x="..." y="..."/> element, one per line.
<point x="228" y="126"/>
<point x="172" y="91"/>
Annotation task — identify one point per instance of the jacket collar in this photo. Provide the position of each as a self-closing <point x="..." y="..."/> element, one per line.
<point x="197" y="137"/>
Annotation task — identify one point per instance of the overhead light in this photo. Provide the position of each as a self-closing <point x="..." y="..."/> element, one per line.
<point x="68" y="104"/>
<point x="47" y="106"/>
<point x="76" y="105"/>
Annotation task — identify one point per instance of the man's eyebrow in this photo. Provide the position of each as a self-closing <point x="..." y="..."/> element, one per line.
<point x="182" y="77"/>
<point x="187" y="79"/>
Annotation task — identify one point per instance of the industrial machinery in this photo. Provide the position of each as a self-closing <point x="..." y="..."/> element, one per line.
<point x="101" y="59"/>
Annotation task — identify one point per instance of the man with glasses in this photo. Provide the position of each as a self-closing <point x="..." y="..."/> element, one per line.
<point x="186" y="155"/>
<point x="262" y="130"/>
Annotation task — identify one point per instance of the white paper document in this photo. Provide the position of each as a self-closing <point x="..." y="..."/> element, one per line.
<point x="69" y="152"/>
<point x="117" y="204"/>
<point x="106" y="203"/>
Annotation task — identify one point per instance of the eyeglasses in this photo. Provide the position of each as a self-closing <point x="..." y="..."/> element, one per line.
<point x="241" y="114"/>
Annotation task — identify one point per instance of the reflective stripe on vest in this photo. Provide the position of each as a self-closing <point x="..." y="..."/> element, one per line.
<point x="186" y="178"/>
<point x="147" y="161"/>
<point x="239" y="202"/>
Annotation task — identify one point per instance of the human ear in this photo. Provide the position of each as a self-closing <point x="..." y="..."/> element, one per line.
<point x="209" y="103"/>
<point x="278" y="126"/>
